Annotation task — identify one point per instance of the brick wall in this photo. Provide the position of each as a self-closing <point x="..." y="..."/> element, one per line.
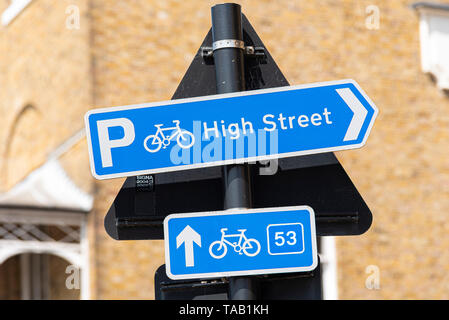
<point x="45" y="89"/>
<point x="142" y="49"/>
<point x="137" y="51"/>
<point x="45" y="85"/>
<point x="403" y="172"/>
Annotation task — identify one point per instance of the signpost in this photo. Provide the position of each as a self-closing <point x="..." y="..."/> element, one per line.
<point x="158" y="142"/>
<point x="240" y="242"/>
<point x="229" y="61"/>
<point x="228" y="128"/>
<point x="139" y="209"/>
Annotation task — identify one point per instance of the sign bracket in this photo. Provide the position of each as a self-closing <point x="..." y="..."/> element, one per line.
<point x="249" y="51"/>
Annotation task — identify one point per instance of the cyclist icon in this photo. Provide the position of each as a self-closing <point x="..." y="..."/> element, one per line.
<point x="154" y="142"/>
<point x="219" y="248"/>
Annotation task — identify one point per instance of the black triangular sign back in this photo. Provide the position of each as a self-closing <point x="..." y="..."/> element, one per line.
<point x="316" y="180"/>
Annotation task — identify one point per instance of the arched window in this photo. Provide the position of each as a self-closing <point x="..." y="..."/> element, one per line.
<point x="25" y="145"/>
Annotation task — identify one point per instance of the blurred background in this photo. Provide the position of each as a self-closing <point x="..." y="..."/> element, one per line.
<point x="61" y="58"/>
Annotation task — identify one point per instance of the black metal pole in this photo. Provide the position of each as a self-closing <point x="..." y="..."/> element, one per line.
<point x="227" y="37"/>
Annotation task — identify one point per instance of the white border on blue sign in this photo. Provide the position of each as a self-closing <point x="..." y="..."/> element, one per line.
<point x="290" y="252"/>
<point x="244" y="272"/>
<point x="231" y="161"/>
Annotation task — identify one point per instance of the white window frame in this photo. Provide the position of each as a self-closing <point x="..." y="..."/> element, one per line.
<point x="14" y="9"/>
<point x="328" y="260"/>
<point x="432" y="19"/>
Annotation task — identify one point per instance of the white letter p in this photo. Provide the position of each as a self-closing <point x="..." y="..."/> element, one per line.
<point x="106" y="144"/>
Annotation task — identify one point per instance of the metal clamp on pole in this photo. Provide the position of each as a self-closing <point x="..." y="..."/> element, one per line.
<point x="249" y="51"/>
<point x="229" y="72"/>
<point x="228" y="43"/>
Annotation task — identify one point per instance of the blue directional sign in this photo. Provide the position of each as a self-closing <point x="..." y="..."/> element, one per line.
<point x="240" y="242"/>
<point x="228" y="128"/>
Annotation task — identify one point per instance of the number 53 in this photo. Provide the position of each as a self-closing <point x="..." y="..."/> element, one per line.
<point x="281" y="238"/>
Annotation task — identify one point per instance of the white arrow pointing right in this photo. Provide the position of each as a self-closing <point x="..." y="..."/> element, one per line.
<point x="188" y="236"/>
<point x="359" y="116"/>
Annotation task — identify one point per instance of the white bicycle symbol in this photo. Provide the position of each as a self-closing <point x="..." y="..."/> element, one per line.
<point x="154" y="142"/>
<point x="219" y="248"/>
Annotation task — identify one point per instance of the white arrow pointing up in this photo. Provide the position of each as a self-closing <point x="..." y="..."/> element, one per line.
<point x="188" y="236"/>
<point x="359" y="116"/>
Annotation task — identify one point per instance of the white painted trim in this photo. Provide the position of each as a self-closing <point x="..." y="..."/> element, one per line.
<point x="41" y="216"/>
<point x="434" y="46"/>
<point x="36" y="277"/>
<point x="48" y="186"/>
<point x="25" y="281"/>
<point x="14" y="9"/>
<point x="68" y="251"/>
<point x="328" y="259"/>
<point x="84" y="268"/>
<point x="287" y="224"/>
<point x="67" y="145"/>
<point x="424" y="39"/>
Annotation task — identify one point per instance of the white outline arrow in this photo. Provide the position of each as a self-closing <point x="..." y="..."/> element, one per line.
<point x="188" y="236"/>
<point x="360" y="113"/>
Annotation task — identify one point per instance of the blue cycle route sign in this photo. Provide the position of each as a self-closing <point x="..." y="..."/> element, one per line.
<point x="240" y="242"/>
<point x="228" y="128"/>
